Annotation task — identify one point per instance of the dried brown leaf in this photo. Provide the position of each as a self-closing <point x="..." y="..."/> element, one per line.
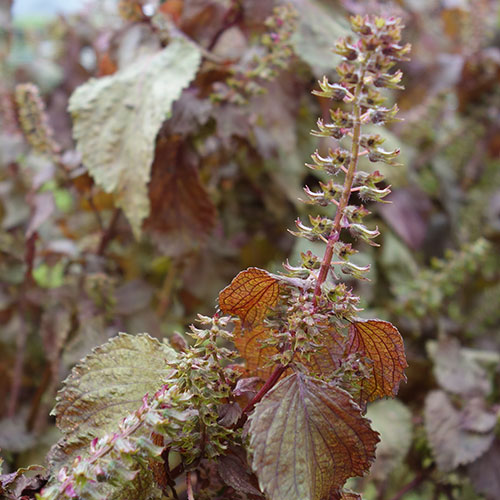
<point x="182" y="213"/>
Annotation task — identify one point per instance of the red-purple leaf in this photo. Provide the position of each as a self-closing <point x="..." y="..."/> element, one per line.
<point x="307" y="437"/>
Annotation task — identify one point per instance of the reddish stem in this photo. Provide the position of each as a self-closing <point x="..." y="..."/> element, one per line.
<point x="346" y="192"/>
<point x="271" y="381"/>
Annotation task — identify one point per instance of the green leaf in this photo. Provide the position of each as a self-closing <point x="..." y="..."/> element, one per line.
<point x="457" y="437"/>
<point x="319" y="26"/>
<point x="105" y="387"/>
<point x="116" y="120"/>
<point x="392" y="419"/>
<point x="306" y="438"/>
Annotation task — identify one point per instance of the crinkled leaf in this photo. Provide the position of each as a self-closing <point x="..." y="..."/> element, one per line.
<point x="452" y="442"/>
<point x="306" y="438"/>
<point x="249" y="343"/>
<point x="182" y="213"/>
<point x="250" y="296"/>
<point x="319" y="26"/>
<point x="20" y="484"/>
<point x="455" y="371"/>
<point x="116" y="120"/>
<point x="483" y="473"/>
<point x="381" y="343"/>
<point x="106" y="386"/>
<point x="392" y="419"/>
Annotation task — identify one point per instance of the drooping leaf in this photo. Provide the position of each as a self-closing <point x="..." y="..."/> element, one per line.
<point x="306" y="438"/>
<point x="116" y="120"/>
<point x="455" y="439"/>
<point x="392" y="419"/>
<point x="455" y="371"/>
<point x="319" y="24"/>
<point x="483" y="473"/>
<point x="249" y="343"/>
<point x="106" y="386"/>
<point x="182" y="213"/>
<point x="234" y="471"/>
<point x="381" y="343"/>
<point x="250" y="296"/>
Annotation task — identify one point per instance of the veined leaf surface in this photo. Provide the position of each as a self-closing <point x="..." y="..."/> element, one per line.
<point x="381" y="343"/>
<point x="116" y="119"/>
<point x="306" y="438"/>
<point x="250" y="296"/>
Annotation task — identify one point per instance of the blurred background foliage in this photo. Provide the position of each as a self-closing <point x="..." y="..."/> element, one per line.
<point x="227" y="174"/>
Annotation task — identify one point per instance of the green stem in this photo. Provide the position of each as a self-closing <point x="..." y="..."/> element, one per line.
<point x="346" y="192"/>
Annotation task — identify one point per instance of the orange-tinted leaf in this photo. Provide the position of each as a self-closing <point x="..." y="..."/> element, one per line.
<point x="249" y="345"/>
<point x="250" y="296"/>
<point x="182" y="213"/>
<point x="328" y="357"/>
<point x="380" y="342"/>
<point x="307" y="437"/>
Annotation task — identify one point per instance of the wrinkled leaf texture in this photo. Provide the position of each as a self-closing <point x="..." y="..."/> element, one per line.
<point x="116" y="119"/>
<point x="107" y="385"/>
<point x="307" y="438"/>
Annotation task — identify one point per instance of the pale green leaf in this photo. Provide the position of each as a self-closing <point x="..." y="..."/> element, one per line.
<point x="106" y="386"/>
<point x="116" y="120"/>
<point x="319" y="27"/>
<point x="392" y="419"/>
<point x="306" y="438"/>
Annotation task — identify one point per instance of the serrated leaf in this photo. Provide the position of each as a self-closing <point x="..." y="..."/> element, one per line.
<point x="456" y="372"/>
<point x="483" y="473"/>
<point x="447" y="428"/>
<point x="182" y="213"/>
<point x="250" y="296"/>
<point x="249" y="343"/>
<point x="381" y="343"/>
<point x="306" y="438"/>
<point x="116" y="119"/>
<point x="392" y="419"/>
<point x="106" y="386"/>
